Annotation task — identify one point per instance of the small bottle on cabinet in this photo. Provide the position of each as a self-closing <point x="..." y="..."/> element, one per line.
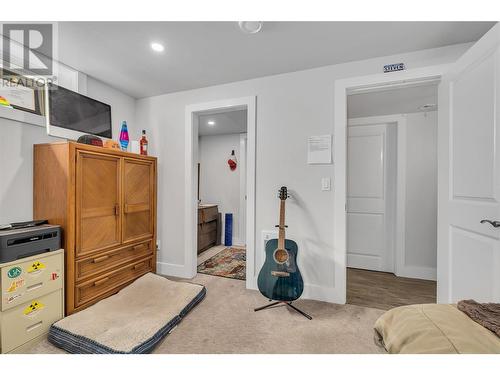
<point x="144" y="143"/>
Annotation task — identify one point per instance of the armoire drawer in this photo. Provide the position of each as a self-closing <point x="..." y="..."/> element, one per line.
<point x="105" y="261"/>
<point x="110" y="282"/>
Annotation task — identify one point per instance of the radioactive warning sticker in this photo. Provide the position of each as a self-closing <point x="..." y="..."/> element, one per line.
<point x="36" y="267"/>
<point x="16" y="284"/>
<point x="33" y="308"/>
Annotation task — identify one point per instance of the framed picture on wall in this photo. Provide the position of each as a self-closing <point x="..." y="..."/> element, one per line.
<point x="22" y="93"/>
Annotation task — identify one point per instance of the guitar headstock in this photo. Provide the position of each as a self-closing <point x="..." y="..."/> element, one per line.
<point x="283" y="193"/>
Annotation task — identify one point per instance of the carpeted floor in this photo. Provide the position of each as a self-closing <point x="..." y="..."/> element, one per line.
<point x="230" y="262"/>
<point x="226" y="323"/>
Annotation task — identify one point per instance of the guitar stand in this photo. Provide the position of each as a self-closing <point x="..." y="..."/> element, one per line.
<point x="284" y="303"/>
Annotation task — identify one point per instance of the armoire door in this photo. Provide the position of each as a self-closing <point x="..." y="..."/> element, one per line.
<point x="98" y="222"/>
<point x="138" y="199"/>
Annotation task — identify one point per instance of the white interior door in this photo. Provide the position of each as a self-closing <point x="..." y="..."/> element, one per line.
<point x="371" y="171"/>
<point x="469" y="175"/>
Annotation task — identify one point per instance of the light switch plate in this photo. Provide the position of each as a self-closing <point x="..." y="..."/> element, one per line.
<point x="325" y="183"/>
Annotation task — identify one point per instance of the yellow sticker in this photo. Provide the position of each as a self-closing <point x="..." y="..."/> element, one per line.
<point x="33" y="308"/>
<point x="36" y="267"/>
<point x="15" y="284"/>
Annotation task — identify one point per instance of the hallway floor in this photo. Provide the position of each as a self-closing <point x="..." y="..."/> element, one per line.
<point x="382" y="290"/>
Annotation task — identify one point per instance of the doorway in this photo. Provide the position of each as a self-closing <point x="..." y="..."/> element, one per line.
<point x="220" y="180"/>
<point x="392" y="196"/>
<point x="221" y="242"/>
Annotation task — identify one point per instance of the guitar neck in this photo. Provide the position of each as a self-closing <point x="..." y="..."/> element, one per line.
<point x="281" y="237"/>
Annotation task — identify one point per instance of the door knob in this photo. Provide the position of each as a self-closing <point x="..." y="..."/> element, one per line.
<point x="495" y="224"/>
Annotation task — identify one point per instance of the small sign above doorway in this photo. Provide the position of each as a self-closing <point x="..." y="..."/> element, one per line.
<point x="394" y="67"/>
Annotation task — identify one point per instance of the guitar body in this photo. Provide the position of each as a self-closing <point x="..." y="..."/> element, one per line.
<point x="280" y="278"/>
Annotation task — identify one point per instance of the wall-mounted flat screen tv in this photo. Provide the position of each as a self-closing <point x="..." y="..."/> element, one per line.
<point x="70" y="114"/>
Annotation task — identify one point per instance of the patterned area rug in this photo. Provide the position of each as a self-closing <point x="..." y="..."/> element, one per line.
<point x="230" y="263"/>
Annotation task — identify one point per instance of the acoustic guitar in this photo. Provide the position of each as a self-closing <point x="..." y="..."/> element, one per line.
<point x="280" y="278"/>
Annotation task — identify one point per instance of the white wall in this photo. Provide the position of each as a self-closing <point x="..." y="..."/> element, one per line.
<point x="122" y="107"/>
<point x="218" y="184"/>
<point x="16" y="151"/>
<point x="421" y="194"/>
<point x="290" y="107"/>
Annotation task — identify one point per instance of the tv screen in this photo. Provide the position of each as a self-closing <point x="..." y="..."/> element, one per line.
<point x="73" y="111"/>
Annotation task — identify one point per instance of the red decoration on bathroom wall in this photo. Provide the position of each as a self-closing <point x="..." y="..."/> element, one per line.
<point x="232" y="161"/>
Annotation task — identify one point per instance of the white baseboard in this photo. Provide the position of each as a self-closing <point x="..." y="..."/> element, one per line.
<point x="238" y="242"/>
<point x="252" y="284"/>
<point x="171" y="269"/>
<point x="322" y="293"/>
<point x="415" y="272"/>
<point x="366" y="262"/>
<point x="311" y="291"/>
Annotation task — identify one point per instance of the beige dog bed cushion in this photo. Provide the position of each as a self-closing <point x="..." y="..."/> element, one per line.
<point x="134" y="320"/>
<point x="433" y="328"/>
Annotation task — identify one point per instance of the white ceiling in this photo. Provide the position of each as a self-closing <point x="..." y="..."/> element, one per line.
<point x="390" y="102"/>
<point x="200" y="54"/>
<point x="233" y="122"/>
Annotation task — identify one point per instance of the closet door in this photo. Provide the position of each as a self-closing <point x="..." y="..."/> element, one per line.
<point x="371" y="172"/>
<point x="138" y="199"/>
<point x="98" y="222"/>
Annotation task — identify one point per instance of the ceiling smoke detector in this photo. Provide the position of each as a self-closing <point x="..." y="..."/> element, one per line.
<point x="250" y="27"/>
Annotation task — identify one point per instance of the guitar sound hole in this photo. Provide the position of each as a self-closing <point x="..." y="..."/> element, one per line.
<point x="280" y="256"/>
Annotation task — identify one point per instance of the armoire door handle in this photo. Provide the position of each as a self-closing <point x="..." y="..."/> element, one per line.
<point x="494" y="223"/>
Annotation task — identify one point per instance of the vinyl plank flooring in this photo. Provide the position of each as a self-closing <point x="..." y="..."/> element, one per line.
<point x="385" y="291"/>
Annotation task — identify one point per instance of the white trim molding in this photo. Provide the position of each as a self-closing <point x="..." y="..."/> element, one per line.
<point x="241" y="240"/>
<point x="171" y="269"/>
<point x="191" y="217"/>
<point x="341" y="89"/>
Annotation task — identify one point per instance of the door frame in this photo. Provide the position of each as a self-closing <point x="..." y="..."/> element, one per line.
<point x="342" y="87"/>
<point x="191" y="178"/>
<point x="243" y="191"/>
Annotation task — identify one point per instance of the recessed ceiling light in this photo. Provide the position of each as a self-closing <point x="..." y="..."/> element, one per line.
<point x="211" y="122"/>
<point x="250" y="27"/>
<point x="157" y="47"/>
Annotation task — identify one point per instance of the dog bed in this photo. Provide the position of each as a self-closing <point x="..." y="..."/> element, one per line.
<point x="132" y="321"/>
<point x="433" y="329"/>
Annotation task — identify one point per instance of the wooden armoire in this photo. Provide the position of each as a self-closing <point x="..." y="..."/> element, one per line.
<point x="105" y="201"/>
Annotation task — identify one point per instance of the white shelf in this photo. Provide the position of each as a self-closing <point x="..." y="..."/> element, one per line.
<point x="21" y="116"/>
